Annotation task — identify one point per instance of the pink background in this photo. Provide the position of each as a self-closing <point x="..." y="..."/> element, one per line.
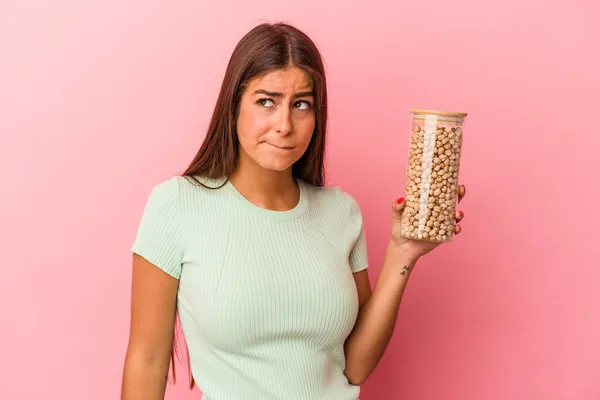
<point x="99" y="100"/>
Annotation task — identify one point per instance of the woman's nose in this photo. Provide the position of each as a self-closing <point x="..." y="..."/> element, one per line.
<point x="284" y="123"/>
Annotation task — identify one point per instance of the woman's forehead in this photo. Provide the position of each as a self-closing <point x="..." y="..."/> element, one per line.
<point x="285" y="81"/>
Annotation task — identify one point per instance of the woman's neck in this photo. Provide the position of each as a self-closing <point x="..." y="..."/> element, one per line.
<point x="272" y="190"/>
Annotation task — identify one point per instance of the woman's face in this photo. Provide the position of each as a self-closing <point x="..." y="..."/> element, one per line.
<point x="276" y="119"/>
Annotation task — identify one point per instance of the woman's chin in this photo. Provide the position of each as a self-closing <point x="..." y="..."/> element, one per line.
<point x="278" y="164"/>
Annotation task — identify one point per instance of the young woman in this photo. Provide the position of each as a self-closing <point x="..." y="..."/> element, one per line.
<point x="264" y="264"/>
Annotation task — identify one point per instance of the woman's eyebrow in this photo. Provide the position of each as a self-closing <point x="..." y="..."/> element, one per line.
<point x="279" y="94"/>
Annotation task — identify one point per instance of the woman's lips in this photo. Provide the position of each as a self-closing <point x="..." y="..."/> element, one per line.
<point x="281" y="147"/>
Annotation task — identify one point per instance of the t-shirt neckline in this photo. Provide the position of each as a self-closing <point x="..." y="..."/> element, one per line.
<point x="298" y="209"/>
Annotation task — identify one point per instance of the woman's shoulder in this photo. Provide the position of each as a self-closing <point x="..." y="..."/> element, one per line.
<point x="178" y="186"/>
<point x="181" y="182"/>
<point x="333" y="196"/>
<point x="165" y="190"/>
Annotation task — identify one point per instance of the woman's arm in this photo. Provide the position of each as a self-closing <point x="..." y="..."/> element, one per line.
<point x="376" y="320"/>
<point x="378" y="313"/>
<point x="153" y="302"/>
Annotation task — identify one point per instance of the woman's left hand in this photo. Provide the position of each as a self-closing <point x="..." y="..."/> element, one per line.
<point x="417" y="248"/>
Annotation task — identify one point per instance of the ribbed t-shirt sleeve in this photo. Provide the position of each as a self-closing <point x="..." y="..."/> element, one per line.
<point x="159" y="236"/>
<point x="358" y="255"/>
<point x="359" y="259"/>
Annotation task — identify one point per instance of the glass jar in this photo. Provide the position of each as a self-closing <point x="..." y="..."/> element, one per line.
<point x="431" y="189"/>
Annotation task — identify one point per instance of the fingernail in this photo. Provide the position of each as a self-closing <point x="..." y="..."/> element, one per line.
<point x="400" y="200"/>
<point x="462" y="214"/>
<point x="465" y="188"/>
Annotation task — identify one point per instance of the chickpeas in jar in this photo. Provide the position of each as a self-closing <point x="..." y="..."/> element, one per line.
<point x="432" y="175"/>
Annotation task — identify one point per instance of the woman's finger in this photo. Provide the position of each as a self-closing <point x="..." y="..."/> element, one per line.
<point x="398" y="205"/>
<point x="459" y="216"/>
<point x="462" y="190"/>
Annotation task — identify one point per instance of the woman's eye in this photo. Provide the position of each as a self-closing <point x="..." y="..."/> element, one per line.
<point x="302" y="105"/>
<point x="267" y="103"/>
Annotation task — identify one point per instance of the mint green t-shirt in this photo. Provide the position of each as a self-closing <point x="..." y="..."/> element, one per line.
<point x="266" y="298"/>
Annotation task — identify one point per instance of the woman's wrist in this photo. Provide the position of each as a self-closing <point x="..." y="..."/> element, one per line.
<point x="399" y="258"/>
<point x="396" y="270"/>
<point x="400" y="251"/>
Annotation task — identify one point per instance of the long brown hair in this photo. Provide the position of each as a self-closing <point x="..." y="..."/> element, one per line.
<point x="264" y="48"/>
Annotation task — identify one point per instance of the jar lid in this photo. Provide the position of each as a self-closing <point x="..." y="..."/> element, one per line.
<point x="450" y="114"/>
<point x="444" y="115"/>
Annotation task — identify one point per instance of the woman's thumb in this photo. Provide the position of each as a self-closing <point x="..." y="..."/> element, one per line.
<point x="398" y="205"/>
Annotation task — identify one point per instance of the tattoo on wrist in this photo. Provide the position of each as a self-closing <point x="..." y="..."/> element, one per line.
<point x="405" y="270"/>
